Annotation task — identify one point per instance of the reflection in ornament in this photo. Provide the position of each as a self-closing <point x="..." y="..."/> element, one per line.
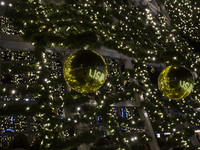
<point x="176" y="82"/>
<point x="85" y="71"/>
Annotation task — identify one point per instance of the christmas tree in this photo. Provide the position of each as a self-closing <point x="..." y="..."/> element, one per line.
<point x="137" y="39"/>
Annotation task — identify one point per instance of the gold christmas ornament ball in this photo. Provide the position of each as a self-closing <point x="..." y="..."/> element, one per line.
<point x="85" y="71"/>
<point x="176" y="82"/>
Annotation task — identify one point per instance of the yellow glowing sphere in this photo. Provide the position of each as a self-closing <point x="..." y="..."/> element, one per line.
<point x="176" y="82"/>
<point x="85" y="71"/>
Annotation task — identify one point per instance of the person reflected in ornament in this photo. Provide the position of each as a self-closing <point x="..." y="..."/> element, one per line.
<point x="20" y="142"/>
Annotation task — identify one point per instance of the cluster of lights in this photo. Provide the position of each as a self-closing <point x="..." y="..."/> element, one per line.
<point x="128" y="37"/>
<point x="15" y="56"/>
<point x="185" y="15"/>
<point x="2" y="3"/>
<point x="17" y="123"/>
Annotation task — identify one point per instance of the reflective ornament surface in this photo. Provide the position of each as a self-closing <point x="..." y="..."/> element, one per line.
<point x="85" y="71"/>
<point x="176" y="82"/>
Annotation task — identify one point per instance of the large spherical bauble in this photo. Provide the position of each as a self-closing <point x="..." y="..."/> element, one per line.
<point x="176" y="82"/>
<point x="85" y="71"/>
